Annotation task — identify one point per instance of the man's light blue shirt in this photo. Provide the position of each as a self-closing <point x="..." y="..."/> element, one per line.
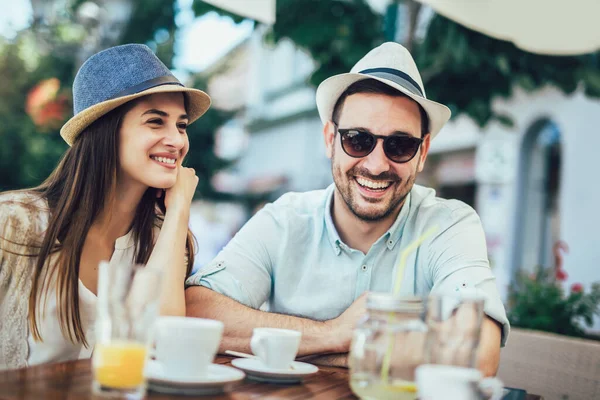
<point x="290" y="256"/>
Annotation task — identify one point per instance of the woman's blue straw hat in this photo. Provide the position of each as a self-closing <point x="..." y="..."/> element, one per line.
<point x="120" y="74"/>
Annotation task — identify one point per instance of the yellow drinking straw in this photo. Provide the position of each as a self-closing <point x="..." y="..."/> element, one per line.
<point x="385" y="368"/>
<point x="406" y="252"/>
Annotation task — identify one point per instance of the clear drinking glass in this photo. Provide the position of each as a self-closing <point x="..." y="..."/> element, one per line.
<point x="454" y="324"/>
<point x="387" y="346"/>
<point x="126" y="309"/>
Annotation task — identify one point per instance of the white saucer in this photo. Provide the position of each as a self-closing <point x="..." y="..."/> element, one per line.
<point x="219" y="379"/>
<point x="256" y="370"/>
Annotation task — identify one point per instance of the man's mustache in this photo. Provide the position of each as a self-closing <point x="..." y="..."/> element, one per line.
<point x="384" y="176"/>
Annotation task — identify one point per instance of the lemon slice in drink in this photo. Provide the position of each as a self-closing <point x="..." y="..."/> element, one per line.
<point x="402" y="386"/>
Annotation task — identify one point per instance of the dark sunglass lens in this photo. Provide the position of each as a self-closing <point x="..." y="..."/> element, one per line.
<point x="401" y="148"/>
<point x="357" y="144"/>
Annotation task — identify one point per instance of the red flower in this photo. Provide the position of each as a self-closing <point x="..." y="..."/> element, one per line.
<point x="46" y="107"/>
<point x="561" y="275"/>
<point x="576" y="288"/>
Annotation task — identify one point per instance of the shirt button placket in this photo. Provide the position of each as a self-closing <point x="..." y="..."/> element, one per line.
<point x="364" y="278"/>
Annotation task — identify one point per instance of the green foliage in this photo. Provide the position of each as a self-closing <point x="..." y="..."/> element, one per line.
<point x="29" y="153"/>
<point x="461" y="68"/>
<point x="466" y="70"/>
<point x="27" y="156"/>
<point x="540" y="303"/>
<point x="200" y="8"/>
<point x="149" y="17"/>
<point x="336" y="33"/>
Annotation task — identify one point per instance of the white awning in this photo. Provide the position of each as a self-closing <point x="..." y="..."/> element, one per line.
<point x="555" y="27"/>
<point x="258" y="10"/>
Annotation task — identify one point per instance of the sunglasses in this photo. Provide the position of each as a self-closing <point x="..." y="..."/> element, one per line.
<point x="398" y="148"/>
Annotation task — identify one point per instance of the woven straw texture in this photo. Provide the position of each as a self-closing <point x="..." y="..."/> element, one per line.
<point x="388" y="56"/>
<point x="554" y="366"/>
<point x="198" y="103"/>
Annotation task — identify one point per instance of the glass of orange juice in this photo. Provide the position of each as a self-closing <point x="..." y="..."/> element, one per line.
<point x="126" y="309"/>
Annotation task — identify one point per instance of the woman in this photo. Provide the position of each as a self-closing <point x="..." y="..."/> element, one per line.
<point x="119" y="193"/>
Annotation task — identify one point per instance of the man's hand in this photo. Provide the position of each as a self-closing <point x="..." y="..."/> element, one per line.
<point x="343" y="326"/>
<point x="318" y="337"/>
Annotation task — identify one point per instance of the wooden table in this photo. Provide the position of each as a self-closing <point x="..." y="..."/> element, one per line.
<point x="72" y="380"/>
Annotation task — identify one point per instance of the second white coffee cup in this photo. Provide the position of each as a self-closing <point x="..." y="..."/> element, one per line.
<point x="448" y="382"/>
<point x="185" y="347"/>
<point x="277" y="348"/>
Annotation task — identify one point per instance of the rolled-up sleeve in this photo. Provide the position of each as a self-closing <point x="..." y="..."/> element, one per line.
<point x="458" y="261"/>
<point x="243" y="269"/>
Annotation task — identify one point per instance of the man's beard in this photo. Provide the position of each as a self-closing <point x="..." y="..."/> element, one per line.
<point x="349" y="196"/>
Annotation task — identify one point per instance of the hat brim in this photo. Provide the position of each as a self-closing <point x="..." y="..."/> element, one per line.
<point x="197" y="104"/>
<point x="330" y="90"/>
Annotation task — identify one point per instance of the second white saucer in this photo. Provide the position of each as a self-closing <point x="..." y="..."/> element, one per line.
<point x="256" y="370"/>
<point x="218" y="379"/>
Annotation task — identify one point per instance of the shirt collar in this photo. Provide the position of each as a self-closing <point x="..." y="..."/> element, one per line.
<point x="125" y="242"/>
<point x="391" y="237"/>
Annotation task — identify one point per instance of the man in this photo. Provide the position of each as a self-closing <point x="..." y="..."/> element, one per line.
<point x="311" y="256"/>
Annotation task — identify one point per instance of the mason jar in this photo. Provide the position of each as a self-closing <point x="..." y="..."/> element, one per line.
<point x="387" y="346"/>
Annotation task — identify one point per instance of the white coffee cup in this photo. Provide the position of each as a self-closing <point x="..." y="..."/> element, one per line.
<point x="185" y="347"/>
<point x="277" y="348"/>
<point x="448" y="382"/>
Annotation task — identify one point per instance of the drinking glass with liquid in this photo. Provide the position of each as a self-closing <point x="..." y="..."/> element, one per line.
<point x="454" y="330"/>
<point x="126" y="310"/>
<point x="454" y="323"/>
<point x="387" y="346"/>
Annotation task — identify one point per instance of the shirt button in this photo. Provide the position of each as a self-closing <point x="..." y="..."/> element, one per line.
<point x="390" y="242"/>
<point x="364" y="267"/>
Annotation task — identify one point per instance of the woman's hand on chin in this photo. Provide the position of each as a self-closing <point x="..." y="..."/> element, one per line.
<point x="179" y="196"/>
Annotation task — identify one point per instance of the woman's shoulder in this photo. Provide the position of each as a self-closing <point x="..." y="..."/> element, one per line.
<point x="22" y="213"/>
<point x="21" y="219"/>
<point x="22" y="198"/>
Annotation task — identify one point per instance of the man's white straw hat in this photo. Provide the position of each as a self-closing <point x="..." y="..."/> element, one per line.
<point x="392" y="64"/>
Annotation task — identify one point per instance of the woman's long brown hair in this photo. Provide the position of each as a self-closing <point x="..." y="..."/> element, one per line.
<point x="77" y="192"/>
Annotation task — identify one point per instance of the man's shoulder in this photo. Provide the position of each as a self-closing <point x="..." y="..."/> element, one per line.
<point x="427" y="207"/>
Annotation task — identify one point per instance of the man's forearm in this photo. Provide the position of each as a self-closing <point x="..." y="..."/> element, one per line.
<point x="239" y="321"/>
<point x="488" y="356"/>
